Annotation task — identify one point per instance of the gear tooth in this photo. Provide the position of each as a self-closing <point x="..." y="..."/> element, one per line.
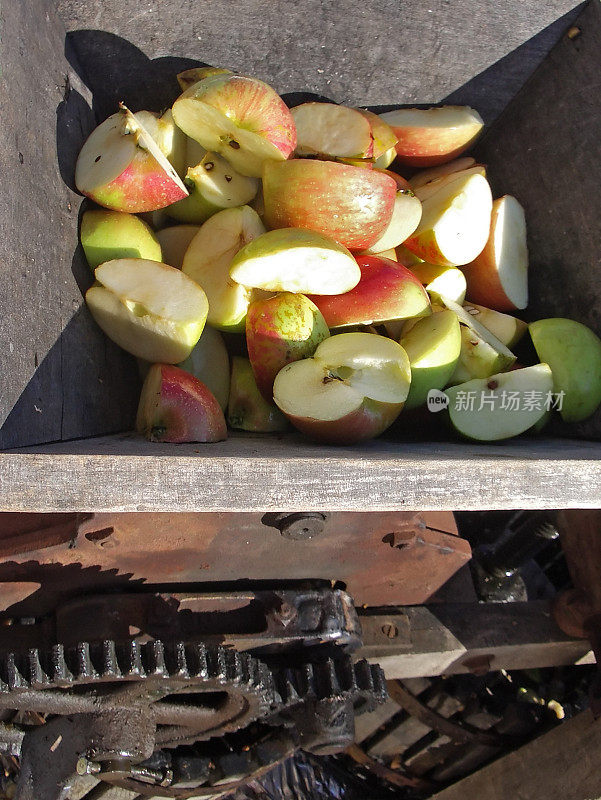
<point x="363" y="673"/>
<point x="330" y="676"/>
<point x="176" y="661"/>
<point x="197" y="661"/>
<point x="130" y="661"/>
<point x="346" y="676"/>
<point x="379" y="681"/>
<point x="84" y="661"/>
<point x="233" y="666"/>
<point x="249" y="668"/>
<point x="37" y="676"/>
<point x="15" y="679"/>
<point x="217" y="662"/>
<point x="59" y="671"/>
<point x="153" y="658"/>
<point x="110" y="664"/>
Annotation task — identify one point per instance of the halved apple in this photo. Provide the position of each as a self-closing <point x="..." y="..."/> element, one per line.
<point x="106" y="235"/>
<point x="210" y="363"/>
<point x="191" y="76"/>
<point x="332" y="131"/>
<point x="425" y="176"/>
<point x="427" y="137"/>
<point x="500" y="406"/>
<point x="213" y="185"/>
<point x="240" y="118"/>
<point x="295" y="260"/>
<point x="573" y="351"/>
<point x="441" y="281"/>
<point x="353" y="206"/>
<point x="498" y="276"/>
<point x="174" y="241"/>
<point x="352" y="389"/>
<point x="177" y="407"/>
<point x="209" y="257"/>
<point x="506" y="328"/>
<point x="386" y="291"/>
<point x="121" y="167"/>
<point x="455" y="222"/>
<point x="248" y="410"/>
<point x="405" y="218"/>
<point x="151" y="310"/>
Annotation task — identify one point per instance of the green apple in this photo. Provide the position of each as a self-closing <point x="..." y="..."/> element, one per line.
<point x="213" y="185"/>
<point x="175" y="240"/>
<point x="210" y="363"/>
<point x="441" y="281"/>
<point x="506" y="328"/>
<point x="149" y="309"/>
<point x="433" y="345"/>
<point x="209" y="257"/>
<point x="296" y="260"/>
<point x="247" y="408"/>
<point x="500" y="406"/>
<point x="573" y="352"/>
<point x="478" y="358"/>
<point x="106" y="235"/>
<point x="191" y="76"/>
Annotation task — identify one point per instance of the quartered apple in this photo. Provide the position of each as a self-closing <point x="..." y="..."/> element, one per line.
<point x="331" y="131"/>
<point x="406" y="215"/>
<point x="425" y="176"/>
<point x="441" y="281"/>
<point x="170" y="140"/>
<point x="248" y="410"/>
<point x="106" y="235"/>
<point x="506" y="328"/>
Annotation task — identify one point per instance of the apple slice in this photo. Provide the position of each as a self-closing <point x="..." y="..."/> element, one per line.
<point x="455" y="222"/>
<point x="176" y="407"/>
<point x="210" y="363"/>
<point x="498" y="276"/>
<point x="174" y="241"/>
<point x="331" y="131"/>
<point x="573" y="352"/>
<point x="386" y="291"/>
<point x="506" y="328"/>
<point x="383" y="136"/>
<point x="352" y="389"/>
<point x="501" y="406"/>
<point x="106" y="235"/>
<point x="406" y="257"/>
<point x="427" y="137"/>
<point x="191" y="76"/>
<point x="280" y="329"/>
<point x="248" y="410"/>
<point x="405" y="218"/>
<point x="295" y="260"/>
<point x="242" y="119"/>
<point x="353" y="206"/>
<point x="433" y="345"/>
<point x="195" y="153"/>
<point x="390" y="254"/>
<point x="213" y="185"/>
<point x="149" y="309"/>
<point x="425" y="176"/>
<point x="429" y="189"/>
<point x="121" y="167"/>
<point x="169" y="138"/>
<point x="208" y="260"/>
<point x="441" y="281"/>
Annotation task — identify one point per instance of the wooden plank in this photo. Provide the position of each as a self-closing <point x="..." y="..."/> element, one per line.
<point x="462" y="637"/>
<point x="249" y="473"/>
<point x="565" y="763"/>
<point x="545" y="143"/>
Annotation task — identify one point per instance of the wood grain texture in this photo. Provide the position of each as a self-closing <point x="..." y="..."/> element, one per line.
<point x="564" y="763"/>
<point x="248" y="473"/>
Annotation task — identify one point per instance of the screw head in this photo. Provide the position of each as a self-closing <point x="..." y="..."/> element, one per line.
<point x="390" y="630"/>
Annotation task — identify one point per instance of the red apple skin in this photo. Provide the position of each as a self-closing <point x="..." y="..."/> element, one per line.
<point x="371" y="419"/>
<point x="182" y="410"/>
<point x="402" y="184"/>
<point x="351" y="205"/>
<point x="387" y="290"/>
<point x="279" y="330"/>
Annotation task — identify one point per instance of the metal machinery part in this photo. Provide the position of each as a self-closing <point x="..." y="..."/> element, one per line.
<point x="131" y="712"/>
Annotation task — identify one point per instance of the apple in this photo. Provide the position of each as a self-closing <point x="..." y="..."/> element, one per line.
<point x="210" y="363"/>
<point x="384" y="138"/>
<point x="455" y="222"/>
<point x="213" y="185"/>
<point x="432" y="187"/>
<point x="331" y="131"/>
<point x="500" y="406"/>
<point x="208" y="260"/>
<point x="295" y="260"/>
<point x="248" y="410"/>
<point x="353" y="206"/>
<point x="106" y="235"/>
<point x="441" y="281"/>
<point x="573" y="352"/>
<point x="280" y="329"/>
<point x="433" y="345"/>
<point x="386" y="159"/>
<point x="390" y="254"/>
<point x="406" y="257"/>
<point x="506" y="328"/>
<point x="194" y="153"/>
<point x="122" y="168"/>
<point x="405" y="218"/>
<point x="425" y="176"/>
<point x="191" y="76"/>
<point x="169" y="138"/>
<point x="401" y="183"/>
<point x="352" y="389"/>
<point x="427" y="137"/>
<point x="386" y="291"/>
<point x="177" y="407"/>
<point x="242" y="119"/>
<point x="151" y="310"/>
<point x="498" y="276"/>
<point x="174" y="241"/>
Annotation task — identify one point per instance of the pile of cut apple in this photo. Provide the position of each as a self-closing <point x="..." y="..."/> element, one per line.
<point x="269" y="269"/>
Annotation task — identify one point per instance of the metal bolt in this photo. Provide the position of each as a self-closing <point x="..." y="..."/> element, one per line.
<point x="299" y="526"/>
<point x="390" y="630"/>
<point x="86" y="767"/>
<point x="286" y="613"/>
